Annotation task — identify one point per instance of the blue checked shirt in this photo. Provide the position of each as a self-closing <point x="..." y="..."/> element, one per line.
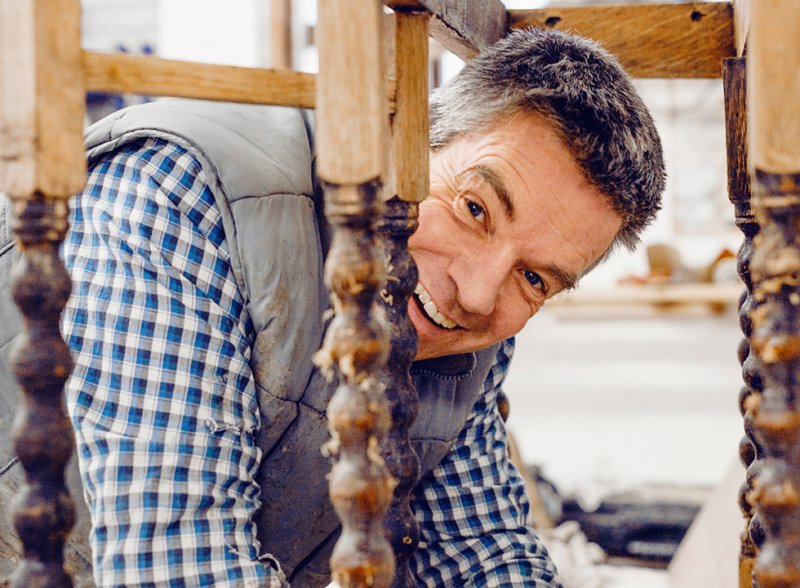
<point x="161" y="339"/>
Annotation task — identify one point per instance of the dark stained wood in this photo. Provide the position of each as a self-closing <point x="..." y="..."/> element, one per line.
<point x="734" y="84"/>
<point x="43" y="438"/>
<point x="462" y="26"/>
<point x="651" y="40"/>
<point x="397" y="224"/>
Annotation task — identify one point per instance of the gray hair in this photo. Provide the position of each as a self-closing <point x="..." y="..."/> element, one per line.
<point x="584" y="92"/>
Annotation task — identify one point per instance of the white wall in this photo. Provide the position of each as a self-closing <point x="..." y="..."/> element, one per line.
<point x="230" y="32"/>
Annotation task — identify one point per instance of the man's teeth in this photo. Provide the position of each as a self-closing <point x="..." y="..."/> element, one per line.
<point x="431" y="310"/>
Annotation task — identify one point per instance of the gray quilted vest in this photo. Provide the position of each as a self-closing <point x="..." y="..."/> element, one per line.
<point x="259" y="163"/>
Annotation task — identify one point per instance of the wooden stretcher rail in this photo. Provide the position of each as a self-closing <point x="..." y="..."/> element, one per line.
<point x="151" y="76"/>
<point x="651" y="40"/>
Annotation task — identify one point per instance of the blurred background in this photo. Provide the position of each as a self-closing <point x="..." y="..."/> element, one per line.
<point x="623" y="393"/>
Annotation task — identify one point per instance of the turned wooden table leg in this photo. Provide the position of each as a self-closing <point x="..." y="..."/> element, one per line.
<point x="42" y="164"/>
<point x="734" y="83"/>
<point x="773" y="88"/>
<point x="352" y="123"/>
<point x="408" y="186"/>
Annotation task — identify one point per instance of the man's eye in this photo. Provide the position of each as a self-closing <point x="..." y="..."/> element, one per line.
<point x="475" y="209"/>
<point x="534" y="279"/>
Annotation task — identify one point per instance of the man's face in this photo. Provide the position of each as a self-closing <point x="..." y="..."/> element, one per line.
<point x="509" y="222"/>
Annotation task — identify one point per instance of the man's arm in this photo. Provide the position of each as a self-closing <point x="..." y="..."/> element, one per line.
<point x="472" y="507"/>
<point x="162" y="396"/>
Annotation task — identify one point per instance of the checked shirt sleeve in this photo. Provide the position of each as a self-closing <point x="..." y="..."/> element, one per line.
<point x="472" y="508"/>
<point x="162" y="397"/>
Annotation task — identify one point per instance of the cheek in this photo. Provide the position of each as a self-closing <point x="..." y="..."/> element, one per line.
<point x="512" y="313"/>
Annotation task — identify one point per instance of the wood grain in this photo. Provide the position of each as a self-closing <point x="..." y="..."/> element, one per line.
<point x="409" y="149"/>
<point x="351" y="90"/>
<point x="774" y="86"/>
<point x="461" y="26"/>
<point x="652" y="40"/>
<point x="41" y="98"/>
<point x="135" y="74"/>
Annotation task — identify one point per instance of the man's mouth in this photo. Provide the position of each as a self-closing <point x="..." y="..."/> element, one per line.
<point x="430" y="309"/>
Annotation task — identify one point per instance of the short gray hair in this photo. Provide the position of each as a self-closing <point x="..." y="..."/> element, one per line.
<point x="584" y="92"/>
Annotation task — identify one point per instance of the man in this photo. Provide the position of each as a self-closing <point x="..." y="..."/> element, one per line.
<point x="196" y="251"/>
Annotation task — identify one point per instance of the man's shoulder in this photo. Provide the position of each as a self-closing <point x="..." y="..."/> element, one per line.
<point x="250" y="149"/>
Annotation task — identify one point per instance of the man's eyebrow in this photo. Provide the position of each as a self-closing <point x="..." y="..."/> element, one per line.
<point x="567" y="280"/>
<point x="497" y="184"/>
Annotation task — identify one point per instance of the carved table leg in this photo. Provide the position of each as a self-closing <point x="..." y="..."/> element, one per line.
<point x="42" y="163"/>
<point x="352" y="121"/>
<point x="43" y="511"/>
<point x="409" y="185"/>
<point x="399" y="222"/>
<point x="776" y="324"/>
<point x="734" y="83"/>
<point x="772" y="61"/>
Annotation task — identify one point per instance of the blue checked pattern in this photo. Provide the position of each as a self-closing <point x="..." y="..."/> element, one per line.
<point x="164" y="404"/>
<point x="161" y="397"/>
<point x="472" y="507"/>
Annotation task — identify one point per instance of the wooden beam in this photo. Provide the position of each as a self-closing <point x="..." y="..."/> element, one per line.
<point x="461" y="26"/>
<point x="150" y="76"/>
<point x="741" y="24"/>
<point x="41" y="99"/>
<point x="651" y="40"/>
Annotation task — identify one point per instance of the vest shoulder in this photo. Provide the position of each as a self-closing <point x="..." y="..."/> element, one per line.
<point x="250" y="150"/>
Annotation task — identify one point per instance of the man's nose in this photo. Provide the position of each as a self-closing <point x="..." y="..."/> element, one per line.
<point x="478" y="277"/>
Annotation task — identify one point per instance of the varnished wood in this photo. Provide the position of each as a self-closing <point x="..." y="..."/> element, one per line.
<point x="734" y="84"/>
<point x="281" y="38"/>
<point x="461" y="26"/>
<point x="397" y="224"/>
<point x="351" y="152"/>
<point x="151" y="76"/>
<point x="41" y="98"/>
<point x="43" y="439"/>
<point x="651" y="40"/>
<point x="774" y="53"/>
<point x="775" y="162"/>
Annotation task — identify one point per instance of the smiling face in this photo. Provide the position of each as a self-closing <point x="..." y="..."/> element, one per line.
<point x="510" y="221"/>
